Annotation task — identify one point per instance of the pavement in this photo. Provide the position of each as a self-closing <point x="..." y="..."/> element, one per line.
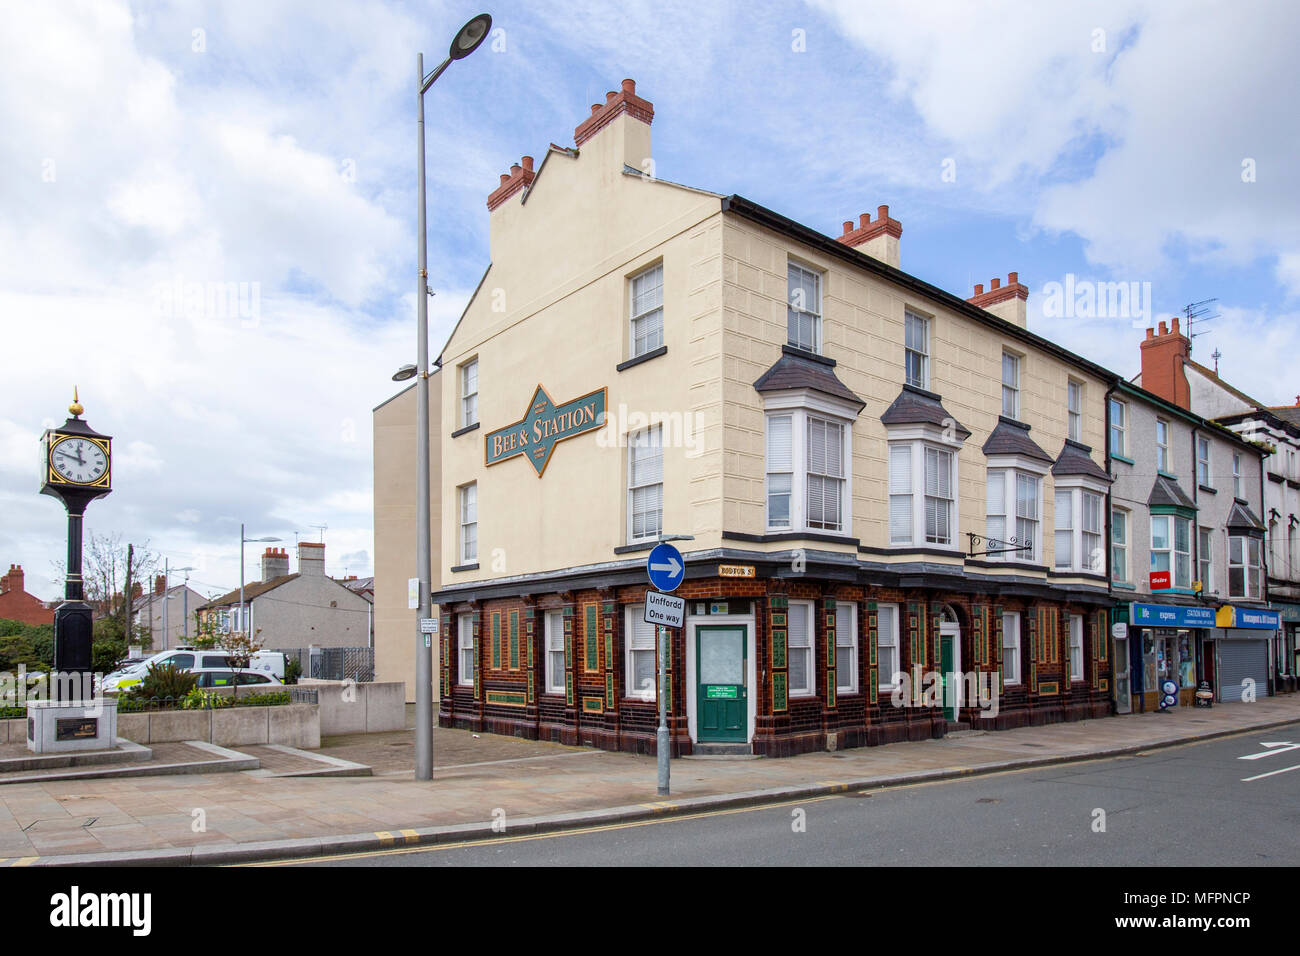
<point x="485" y="785"/>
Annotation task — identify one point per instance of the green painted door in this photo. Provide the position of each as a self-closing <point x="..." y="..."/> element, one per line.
<point x="947" y="677"/>
<point x="721" y="700"/>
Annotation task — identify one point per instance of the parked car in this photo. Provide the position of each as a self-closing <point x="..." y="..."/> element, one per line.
<point x="210" y="677"/>
<point x="270" y="663"/>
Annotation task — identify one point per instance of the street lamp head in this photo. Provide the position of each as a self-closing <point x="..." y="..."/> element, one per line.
<point x="470" y="36"/>
<point x="405" y="372"/>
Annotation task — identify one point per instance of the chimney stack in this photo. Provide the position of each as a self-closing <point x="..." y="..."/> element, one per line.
<point x="1164" y="355"/>
<point x="159" y="583"/>
<point x="877" y="239"/>
<point x="275" y="563"/>
<point x="521" y="175"/>
<point x="1005" y="301"/>
<point x="311" y="558"/>
<point x="13" y="581"/>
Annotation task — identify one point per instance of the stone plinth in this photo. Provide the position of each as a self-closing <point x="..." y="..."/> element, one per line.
<point x="58" y="727"/>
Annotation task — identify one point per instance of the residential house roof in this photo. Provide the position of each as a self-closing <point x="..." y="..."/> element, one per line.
<point x="1166" y="493"/>
<point x="915" y="406"/>
<point x="1011" y="437"/>
<point x="795" y="370"/>
<point x="1076" y="459"/>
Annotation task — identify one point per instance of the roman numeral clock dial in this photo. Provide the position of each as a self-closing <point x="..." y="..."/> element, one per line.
<point x="79" y="460"/>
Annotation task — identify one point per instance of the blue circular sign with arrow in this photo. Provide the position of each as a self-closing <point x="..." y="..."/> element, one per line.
<point x="666" y="567"/>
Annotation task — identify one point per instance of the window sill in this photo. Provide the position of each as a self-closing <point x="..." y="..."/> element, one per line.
<point x="652" y="354"/>
<point x="464" y="431"/>
<point x="1165" y="474"/>
<point x="465" y="567"/>
<point x="791" y="536"/>
<point x="633" y="548"/>
<point x="1207" y="488"/>
<point x="1123" y="585"/>
<point x="1114" y="456"/>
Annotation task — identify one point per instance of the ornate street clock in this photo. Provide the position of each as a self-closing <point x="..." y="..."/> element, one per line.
<point x="77" y="465"/>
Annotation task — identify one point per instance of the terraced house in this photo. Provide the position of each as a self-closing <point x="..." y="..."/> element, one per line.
<point x="880" y="480"/>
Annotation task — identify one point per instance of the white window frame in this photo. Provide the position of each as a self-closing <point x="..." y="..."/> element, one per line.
<point x="1011" y="643"/>
<point x="1118" y="546"/>
<point x="468" y="549"/>
<point x="846" y="638"/>
<point x="1074" y="409"/>
<point x="1013" y="468"/>
<point x="809" y="648"/>
<point x="1247" y="568"/>
<point x="1076" y="647"/>
<point x="1236" y="474"/>
<point x="799" y="311"/>
<point x="1172" y="550"/>
<point x="1118" y="430"/>
<point x="1162" y="447"/>
<point x="465" y="646"/>
<point x="830" y="481"/>
<point x="1011" y="389"/>
<point x="804" y="408"/>
<point x="912" y="320"/>
<point x="885" y="670"/>
<point x="553" y="624"/>
<point x="1205" y="558"/>
<point x="779" y="471"/>
<point x="1202" y="462"/>
<point x="633" y="622"/>
<point x="920" y="439"/>
<point x="469" y="393"/>
<point x="1076" y="487"/>
<point x="655" y="435"/>
<point x="650" y="314"/>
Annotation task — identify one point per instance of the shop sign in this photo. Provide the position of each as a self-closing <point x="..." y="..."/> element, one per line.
<point x="1249" y="617"/>
<point x="1290" y="613"/>
<point x="1170" y="615"/>
<point x="543" y="427"/>
<point x="1160" y="580"/>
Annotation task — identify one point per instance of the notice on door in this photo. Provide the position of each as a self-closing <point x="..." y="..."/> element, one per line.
<point x="666" y="610"/>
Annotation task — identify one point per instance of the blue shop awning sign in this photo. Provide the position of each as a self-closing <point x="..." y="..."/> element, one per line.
<point x="1171" y="615"/>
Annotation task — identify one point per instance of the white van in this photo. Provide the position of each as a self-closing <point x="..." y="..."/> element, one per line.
<point x="189" y="659"/>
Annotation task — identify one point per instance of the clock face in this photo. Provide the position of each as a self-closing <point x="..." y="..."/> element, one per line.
<point x="78" y="460"/>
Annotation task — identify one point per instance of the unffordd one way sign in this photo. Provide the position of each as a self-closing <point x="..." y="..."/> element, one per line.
<point x="665" y="610"/>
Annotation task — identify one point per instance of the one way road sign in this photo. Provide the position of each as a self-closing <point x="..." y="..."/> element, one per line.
<point x="666" y="567"/>
<point x="666" y="610"/>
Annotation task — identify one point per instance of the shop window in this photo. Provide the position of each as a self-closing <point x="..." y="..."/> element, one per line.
<point x="1011" y="648"/>
<point x="465" y="644"/>
<point x="554" y="652"/>
<point x="846" y="647"/>
<point x="799" y="648"/>
<point x="887" y="645"/>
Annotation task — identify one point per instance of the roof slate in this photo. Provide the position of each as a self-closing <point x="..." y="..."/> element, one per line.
<point x="914" y="407"/>
<point x="1076" y="459"/>
<point x="1241" y="518"/>
<point x="1167" y="493"/>
<point x="794" y="371"/>
<point x="1012" y="438"/>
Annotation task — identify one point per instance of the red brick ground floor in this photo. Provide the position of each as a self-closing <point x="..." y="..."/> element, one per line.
<point x="772" y="665"/>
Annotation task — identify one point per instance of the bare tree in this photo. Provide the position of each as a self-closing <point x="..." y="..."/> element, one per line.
<point x="109" y="566"/>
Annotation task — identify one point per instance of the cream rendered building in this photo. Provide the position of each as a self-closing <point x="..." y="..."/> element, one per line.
<point x="645" y="358"/>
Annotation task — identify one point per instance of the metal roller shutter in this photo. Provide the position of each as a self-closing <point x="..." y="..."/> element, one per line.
<point x="1239" y="660"/>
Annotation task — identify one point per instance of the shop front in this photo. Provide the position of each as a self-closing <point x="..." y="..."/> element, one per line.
<point x="1242" y="652"/>
<point x="1287" y="662"/>
<point x="1168" y="642"/>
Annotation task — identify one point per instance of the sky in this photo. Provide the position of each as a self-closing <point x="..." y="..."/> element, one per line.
<point x="208" y="210"/>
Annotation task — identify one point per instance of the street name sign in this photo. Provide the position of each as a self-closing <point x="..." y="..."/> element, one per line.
<point x="666" y="610"/>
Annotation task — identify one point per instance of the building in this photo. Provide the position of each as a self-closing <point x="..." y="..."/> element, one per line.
<point x="1186" y="547"/>
<point x="867" y="466"/>
<point x="17" y="605"/>
<point x="1169" y="371"/>
<point x="297" y="610"/>
<point x="169" y="618"/>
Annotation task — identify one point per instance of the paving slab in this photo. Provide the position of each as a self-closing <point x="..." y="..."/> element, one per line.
<point x="531" y="786"/>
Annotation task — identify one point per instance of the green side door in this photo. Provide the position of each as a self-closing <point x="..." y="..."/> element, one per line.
<point x="721" y="701"/>
<point x="947" y="677"/>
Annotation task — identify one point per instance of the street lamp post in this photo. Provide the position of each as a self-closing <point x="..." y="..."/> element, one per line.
<point x="467" y="40"/>
<point x="243" y="611"/>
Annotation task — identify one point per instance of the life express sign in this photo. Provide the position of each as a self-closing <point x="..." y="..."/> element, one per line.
<point x="543" y="427"/>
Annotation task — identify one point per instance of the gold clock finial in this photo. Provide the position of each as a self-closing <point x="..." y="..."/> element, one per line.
<point x="75" y="408"/>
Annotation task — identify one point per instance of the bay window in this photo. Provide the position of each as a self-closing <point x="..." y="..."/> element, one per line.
<point x="922" y="494"/>
<point x="938" y="496"/>
<point x="645" y="488"/>
<point x="1171" y="548"/>
<point x="1014" y="507"/>
<point x="1243" y="566"/>
<point x="808" y="454"/>
<point x="1080" y="531"/>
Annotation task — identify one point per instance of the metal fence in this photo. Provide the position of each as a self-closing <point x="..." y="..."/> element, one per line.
<point x="334" y="663"/>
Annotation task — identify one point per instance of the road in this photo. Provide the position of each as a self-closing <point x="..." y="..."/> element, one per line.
<point x="1192" y="805"/>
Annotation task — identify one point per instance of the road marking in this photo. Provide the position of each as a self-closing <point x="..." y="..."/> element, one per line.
<point x="1271" y="773"/>
<point x="1277" y="747"/>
